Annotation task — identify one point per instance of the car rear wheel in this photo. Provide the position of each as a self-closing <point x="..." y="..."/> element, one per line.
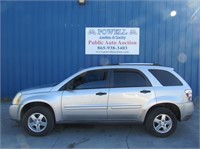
<point x="161" y="122"/>
<point x="38" y="121"/>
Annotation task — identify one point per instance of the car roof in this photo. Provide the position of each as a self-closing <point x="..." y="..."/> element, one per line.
<point x="139" y="66"/>
<point x="132" y="66"/>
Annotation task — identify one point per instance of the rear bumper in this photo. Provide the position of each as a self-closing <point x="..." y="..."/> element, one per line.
<point x="186" y="110"/>
<point x="14" y="112"/>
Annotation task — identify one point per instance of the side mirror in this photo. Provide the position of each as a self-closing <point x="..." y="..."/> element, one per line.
<point x="70" y="86"/>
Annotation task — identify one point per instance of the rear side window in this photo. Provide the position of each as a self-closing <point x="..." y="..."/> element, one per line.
<point x="129" y="78"/>
<point x="166" y="78"/>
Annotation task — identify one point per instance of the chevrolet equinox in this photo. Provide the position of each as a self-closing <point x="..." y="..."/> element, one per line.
<point x="153" y="95"/>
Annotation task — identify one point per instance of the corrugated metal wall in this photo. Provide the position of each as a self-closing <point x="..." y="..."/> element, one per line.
<point x="43" y="41"/>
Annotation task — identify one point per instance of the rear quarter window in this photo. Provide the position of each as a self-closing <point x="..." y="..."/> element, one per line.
<point x="166" y="78"/>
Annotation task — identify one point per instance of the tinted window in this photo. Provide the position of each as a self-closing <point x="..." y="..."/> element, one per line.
<point x="126" y="78"/>
<point x="165" y="78"/>
<point x="91" y="79"/>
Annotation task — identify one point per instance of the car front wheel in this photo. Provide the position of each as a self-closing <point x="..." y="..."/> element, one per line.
<point x="161" y="122"/>
<point x="38" y="121"/>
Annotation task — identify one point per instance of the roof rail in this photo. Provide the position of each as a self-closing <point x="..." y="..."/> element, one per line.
<point x="151" y="64"/>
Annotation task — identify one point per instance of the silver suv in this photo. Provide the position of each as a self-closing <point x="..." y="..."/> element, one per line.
<point x="146" y="93"/>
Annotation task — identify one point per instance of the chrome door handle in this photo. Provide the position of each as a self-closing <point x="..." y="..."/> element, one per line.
<point x="101" y="93"/>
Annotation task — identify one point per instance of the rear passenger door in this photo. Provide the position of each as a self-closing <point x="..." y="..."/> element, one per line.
<point x="130" y="90"/>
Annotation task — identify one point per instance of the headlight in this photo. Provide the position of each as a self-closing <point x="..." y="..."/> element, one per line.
<point x="17" y="99"/>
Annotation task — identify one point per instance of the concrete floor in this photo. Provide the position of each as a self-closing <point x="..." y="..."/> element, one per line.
<point x="98" y="135"/>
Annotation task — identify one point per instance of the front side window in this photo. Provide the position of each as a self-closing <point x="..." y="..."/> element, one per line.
<point x="129" y="78"/>
<point x="91" y="80"/>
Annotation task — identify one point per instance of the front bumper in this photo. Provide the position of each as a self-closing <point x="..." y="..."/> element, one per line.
<point x="186" y="110"/>
<point x="14" y="112"/>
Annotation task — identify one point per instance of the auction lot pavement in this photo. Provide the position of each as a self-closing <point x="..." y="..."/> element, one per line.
<point x="98" y="135"/>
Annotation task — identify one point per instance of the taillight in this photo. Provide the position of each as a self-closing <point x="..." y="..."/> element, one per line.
<point x="189" y="94"/>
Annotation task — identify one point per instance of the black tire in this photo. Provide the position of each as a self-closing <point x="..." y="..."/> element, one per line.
<point x="38" y="121"/>
<point x="161" y="122"/>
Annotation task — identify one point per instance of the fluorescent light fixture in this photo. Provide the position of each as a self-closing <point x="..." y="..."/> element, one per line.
<point x="173" y="13"/>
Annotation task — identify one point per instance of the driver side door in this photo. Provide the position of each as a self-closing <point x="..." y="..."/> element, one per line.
<point x="86" y="96"/>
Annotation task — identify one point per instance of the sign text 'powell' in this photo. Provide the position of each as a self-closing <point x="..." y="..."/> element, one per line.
<point x="112" y="32"/>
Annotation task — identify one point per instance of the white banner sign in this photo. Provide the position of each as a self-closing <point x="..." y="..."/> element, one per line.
<point x="112" y="41"/>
